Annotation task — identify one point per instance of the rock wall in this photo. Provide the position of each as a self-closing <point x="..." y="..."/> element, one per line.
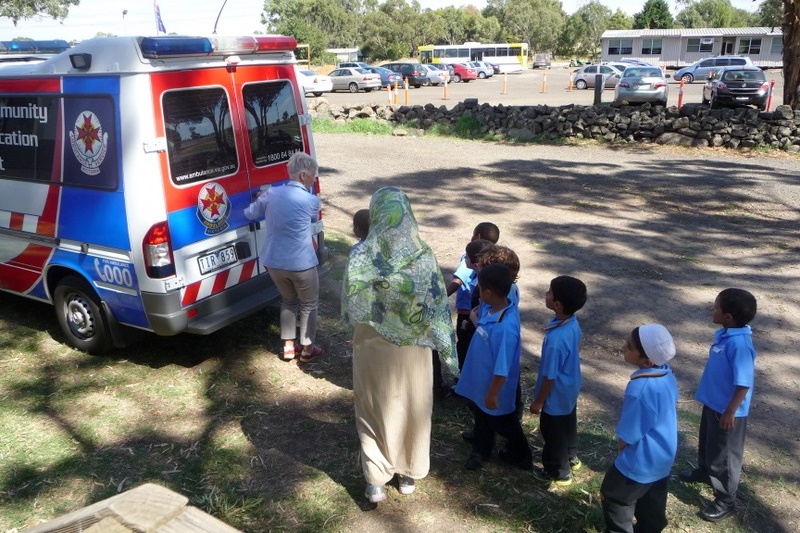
<point x="691" y="125"/>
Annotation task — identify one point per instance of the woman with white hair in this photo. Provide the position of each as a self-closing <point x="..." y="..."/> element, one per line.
<point x="290" y="211"/>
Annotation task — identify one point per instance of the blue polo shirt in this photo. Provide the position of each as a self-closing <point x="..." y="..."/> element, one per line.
<point x="289" y="212"/>
<point x="560" y="362"/>
<point x="469" y="279"/>
<point x="649" y="425"/>
<point x="493" y="351"/>
<point x="731" y="363"/>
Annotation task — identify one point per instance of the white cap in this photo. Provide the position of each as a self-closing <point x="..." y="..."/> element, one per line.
<point x="657" y="343"/>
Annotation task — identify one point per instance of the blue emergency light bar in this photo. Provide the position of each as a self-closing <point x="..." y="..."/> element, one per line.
<point x="171" y="46"/>
<point x="55" y="46"/>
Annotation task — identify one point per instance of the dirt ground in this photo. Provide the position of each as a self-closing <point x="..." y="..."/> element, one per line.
<point x="655" y="233"/>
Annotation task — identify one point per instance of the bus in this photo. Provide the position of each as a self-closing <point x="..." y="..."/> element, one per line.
<point x="510" y="57"/>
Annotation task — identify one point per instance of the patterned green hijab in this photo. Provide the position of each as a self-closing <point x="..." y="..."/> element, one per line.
<point x="394" y="284"/>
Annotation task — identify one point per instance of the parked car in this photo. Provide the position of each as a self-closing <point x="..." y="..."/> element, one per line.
<point x="735" y="86"/>
<point x="584" y="77"/>
<point x="463" y="72"/>
<point x="642" y="84"/>
<point x="354" y="80"/>
<point x="416" y="73"/>
<point x="484" y="70"/>
<point x="495" y="68"/>
<point x="388" y="77"/>
<point x="444" y="67"/>
<point x="435" y="76"/>
<point x="315" y="83"/>
<point x="701" y="69"/>
<point x="353" y="64"/>
<point x="541" y="60"/>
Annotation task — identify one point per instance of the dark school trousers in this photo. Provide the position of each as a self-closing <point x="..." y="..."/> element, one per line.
<point x="720" y="453"/>
<point x="560" y="435"/>
<point x="507" y="426"/>
<point x="624" y="499"/>
<point x="463" y="337"/>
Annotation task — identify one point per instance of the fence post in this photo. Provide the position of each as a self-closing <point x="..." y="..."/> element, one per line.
<point x="769" y="98"/>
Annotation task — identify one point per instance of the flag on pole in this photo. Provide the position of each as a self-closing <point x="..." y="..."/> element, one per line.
<point x="159" y="23"/>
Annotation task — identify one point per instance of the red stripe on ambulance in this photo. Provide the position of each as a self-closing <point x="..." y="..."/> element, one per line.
<point x="217" y="283"/>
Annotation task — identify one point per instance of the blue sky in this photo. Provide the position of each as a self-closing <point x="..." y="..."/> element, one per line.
<point x="196" y="17"/>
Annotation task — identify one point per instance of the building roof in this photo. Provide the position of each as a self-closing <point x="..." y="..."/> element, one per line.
<point x="691" y="32"/>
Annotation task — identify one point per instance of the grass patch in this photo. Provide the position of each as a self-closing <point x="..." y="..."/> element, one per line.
<point x="357" y="125"/>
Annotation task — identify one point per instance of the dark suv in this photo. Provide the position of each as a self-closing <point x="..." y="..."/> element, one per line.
<point x="415" y="73"/>
<point x="735" y="86"/>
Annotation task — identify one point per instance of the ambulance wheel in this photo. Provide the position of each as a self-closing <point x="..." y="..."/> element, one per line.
<point x="80" y="317"/>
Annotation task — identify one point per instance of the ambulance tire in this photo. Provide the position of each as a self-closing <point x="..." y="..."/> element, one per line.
<point x="79" y="314"/>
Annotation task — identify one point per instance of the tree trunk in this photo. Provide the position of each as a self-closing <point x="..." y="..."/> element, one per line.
<point x="791" y="52"/>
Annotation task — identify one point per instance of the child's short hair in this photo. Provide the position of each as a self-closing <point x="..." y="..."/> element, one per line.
<point x="361" y="223"/>
<point x="739" y="303"/>
<point x="496" y="278"/>
<point x="476" y="248"/>
<point x="487" y="231"/>
<point x="502" y="255"/>
<point x="571" y="292"/>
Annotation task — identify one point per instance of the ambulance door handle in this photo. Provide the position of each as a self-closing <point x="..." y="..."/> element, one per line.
<point x="255" y="226"/>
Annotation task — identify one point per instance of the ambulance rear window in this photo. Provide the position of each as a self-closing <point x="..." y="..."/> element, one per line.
<point x="200" y="140"/>
<point x="273" y="124"/>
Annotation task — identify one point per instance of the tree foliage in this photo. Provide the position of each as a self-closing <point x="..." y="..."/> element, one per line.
<point x="18" y="10"/>
<point x="713" y="14"/>
<point x="581" y="34"/>
<point x="654" y="15"/>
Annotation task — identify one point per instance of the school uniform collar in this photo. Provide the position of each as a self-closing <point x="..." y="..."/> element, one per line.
<point x="652" y="372"/>
<point x="733" y="332"/>
<point x="498" y="316"/>
<point x="553" y="324"/>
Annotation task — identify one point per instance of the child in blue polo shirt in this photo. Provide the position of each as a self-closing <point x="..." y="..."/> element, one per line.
<point x="559" y="382"/>
<point x="647" y="436"/>
<point x="491" y="373"/>
<point x="725" y="391"/>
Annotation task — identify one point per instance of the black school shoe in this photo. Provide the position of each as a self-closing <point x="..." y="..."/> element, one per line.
<point x="475" y="461"/>
<point x="716" y="511"/>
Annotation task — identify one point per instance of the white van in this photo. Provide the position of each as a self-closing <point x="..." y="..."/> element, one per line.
<point x="125" y="167"/>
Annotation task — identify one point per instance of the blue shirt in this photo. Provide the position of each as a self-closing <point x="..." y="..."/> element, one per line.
<point x="289" y="212"/>
<point x="649" y="425"/>
<point x="494" y="351"/>
<point x="469" y="279"/>
<point x="560" y="362"/>
<point x="731" y="363"/>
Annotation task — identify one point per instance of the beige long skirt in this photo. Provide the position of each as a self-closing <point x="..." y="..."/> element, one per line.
<point x="393" y="391"/>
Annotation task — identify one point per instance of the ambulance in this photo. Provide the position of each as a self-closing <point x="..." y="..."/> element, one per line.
<point x="125" y="167"/>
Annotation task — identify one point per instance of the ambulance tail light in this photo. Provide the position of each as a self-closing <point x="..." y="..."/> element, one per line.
<point x="157" y="252"/>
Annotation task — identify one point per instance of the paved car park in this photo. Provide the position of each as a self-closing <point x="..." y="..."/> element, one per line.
<point x="528" y="87"/>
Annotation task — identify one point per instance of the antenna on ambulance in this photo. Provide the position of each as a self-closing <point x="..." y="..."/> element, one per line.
<point x="218" y="15"/>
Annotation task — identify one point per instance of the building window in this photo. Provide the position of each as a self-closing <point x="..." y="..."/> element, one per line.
<point x="705" y="44"/>
<point x="617" y="47"/>
<point x="750" y="45"/>
<point x="651" y="46"/>
<point x="777" y="45"/>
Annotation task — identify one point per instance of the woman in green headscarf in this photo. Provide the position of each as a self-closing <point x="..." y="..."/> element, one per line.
<point x="394" y="296"/>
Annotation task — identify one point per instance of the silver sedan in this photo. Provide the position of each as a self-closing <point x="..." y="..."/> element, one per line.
<point x="642" y="84"/>
<point x="354" y="80"/>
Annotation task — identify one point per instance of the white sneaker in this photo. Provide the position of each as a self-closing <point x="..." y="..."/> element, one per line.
<point x="375" y="494"/>
<point x="405" y="485"/>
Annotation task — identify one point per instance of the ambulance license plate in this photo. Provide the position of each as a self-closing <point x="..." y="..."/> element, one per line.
<point x="216" y="260"/>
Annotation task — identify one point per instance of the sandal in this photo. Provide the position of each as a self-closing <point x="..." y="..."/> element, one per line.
<point x="314" y="352"/>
